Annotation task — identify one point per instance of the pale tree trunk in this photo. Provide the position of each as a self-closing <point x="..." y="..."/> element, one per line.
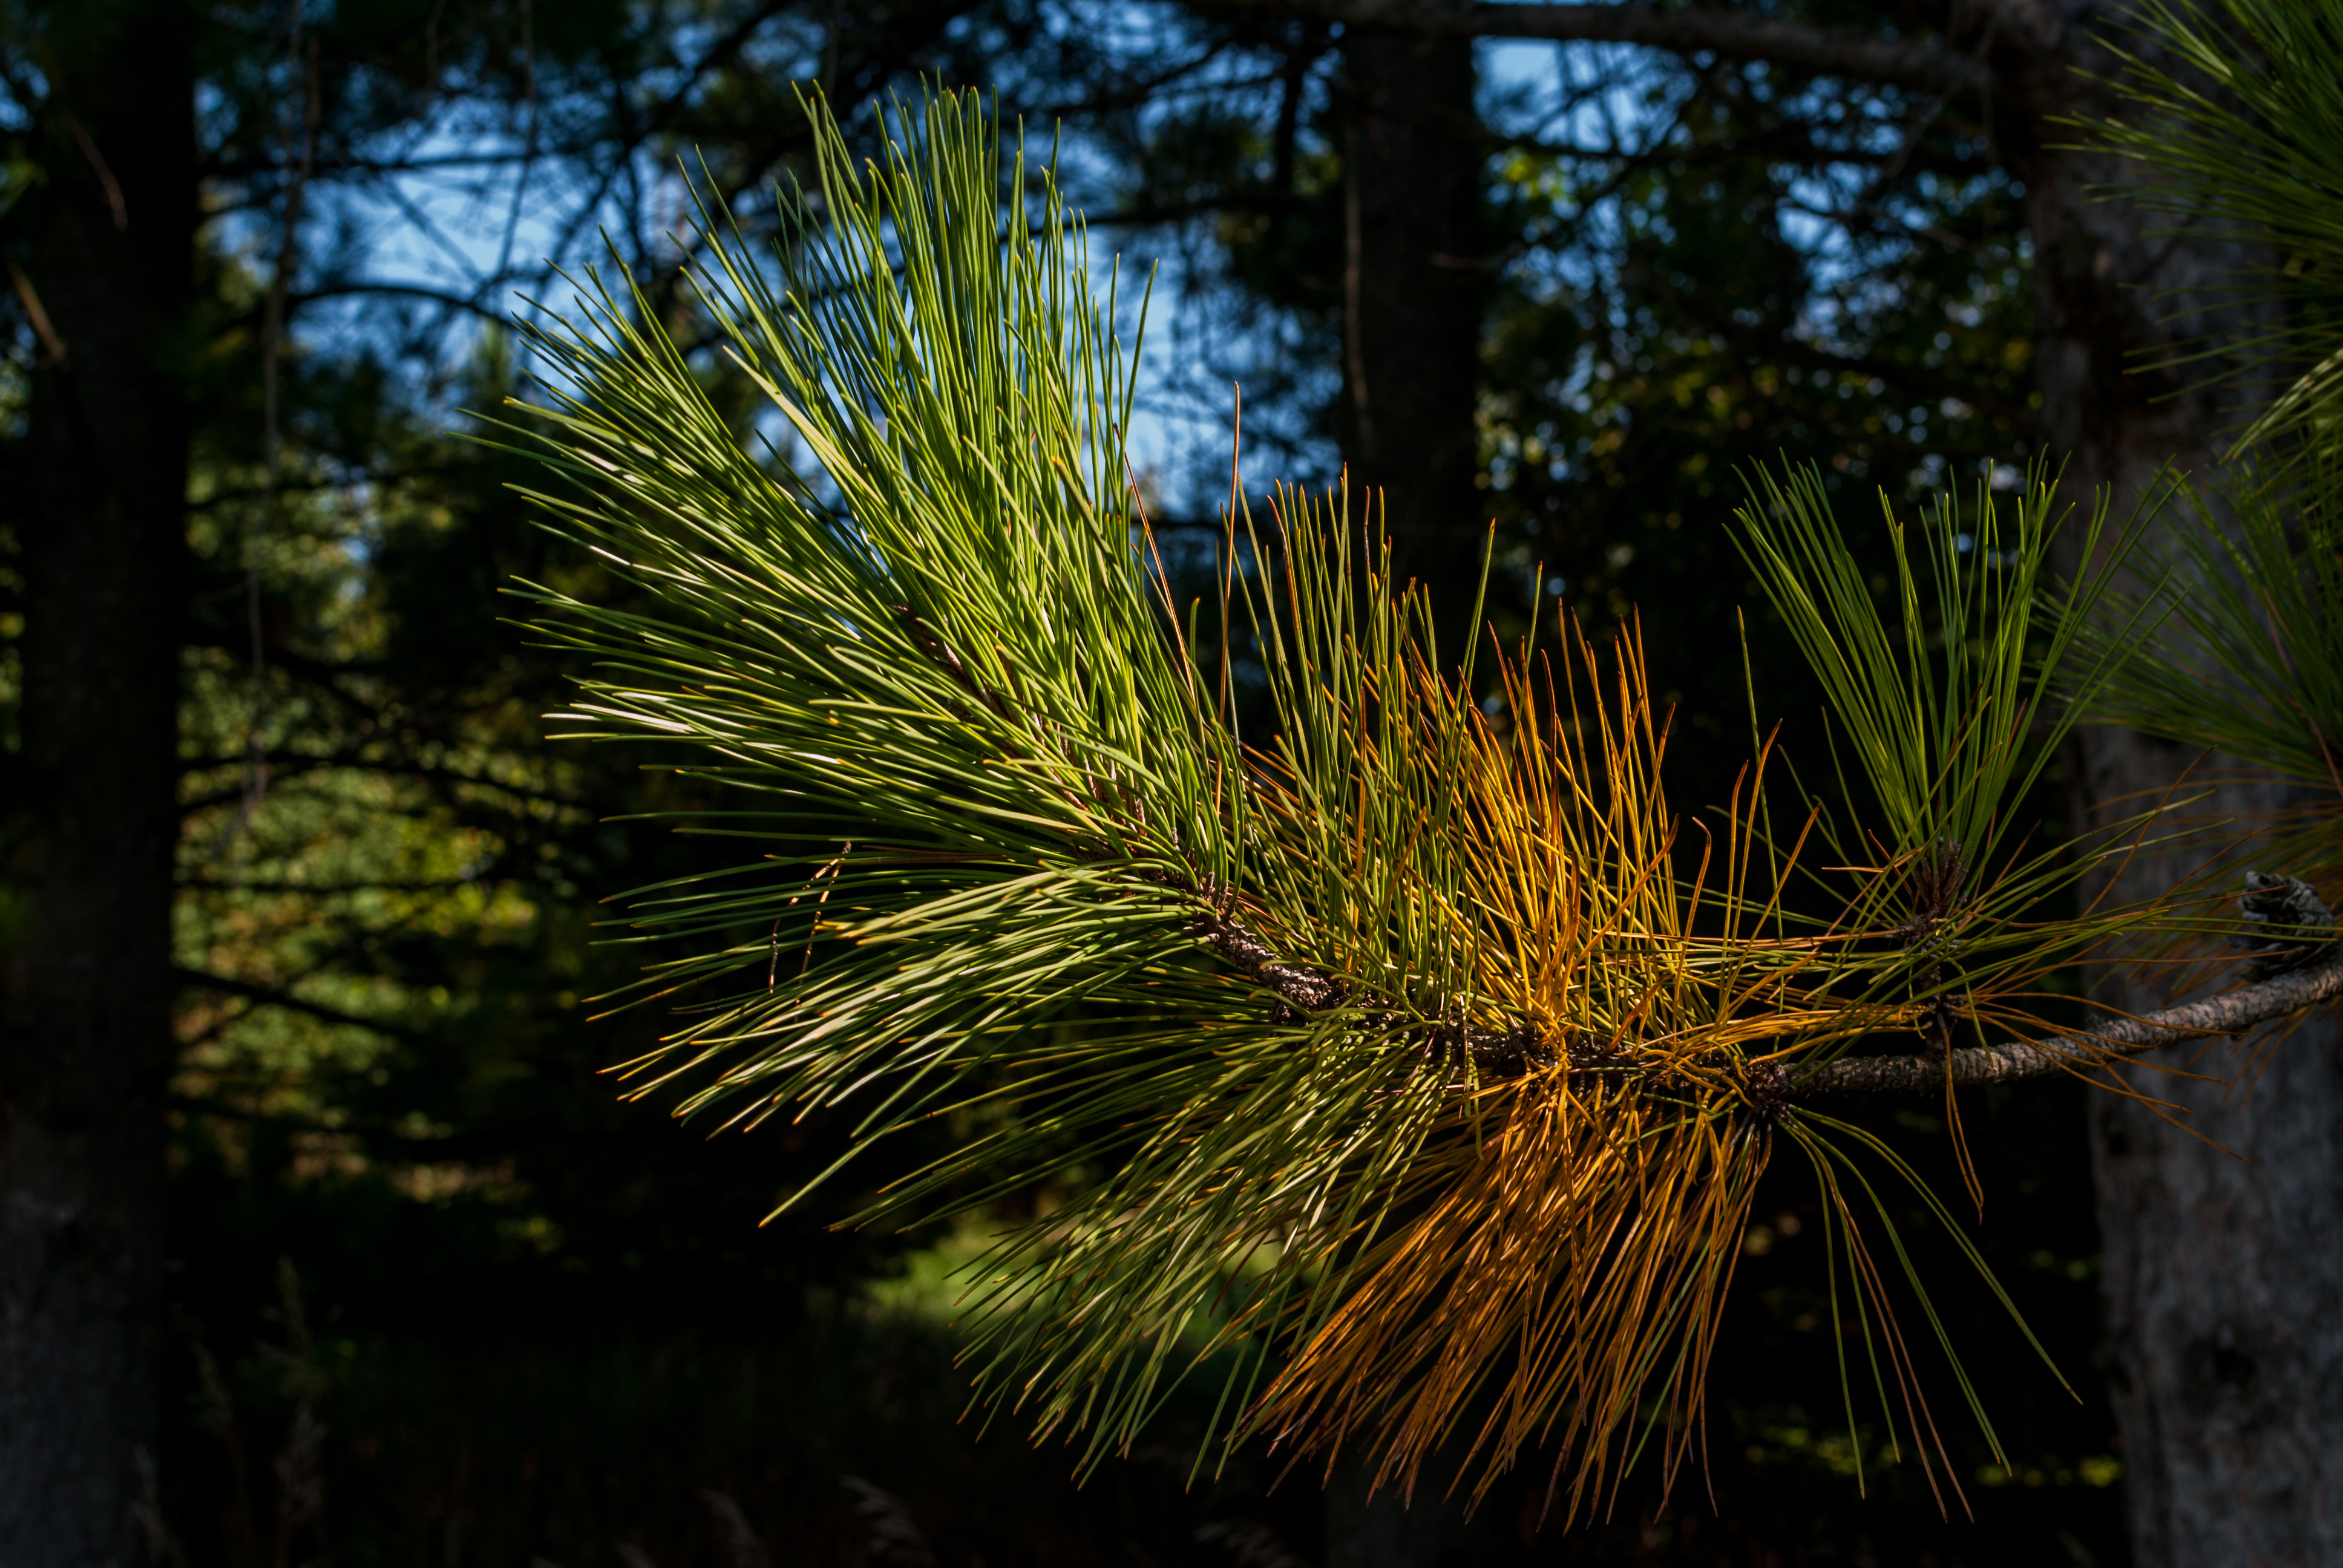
<point x="91" y="809"/>
<point x="1413" y="295"/>
<point x="2223" y="1237"/>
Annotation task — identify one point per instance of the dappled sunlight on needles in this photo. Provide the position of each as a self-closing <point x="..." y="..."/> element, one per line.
<point x="1394" y="1057"/>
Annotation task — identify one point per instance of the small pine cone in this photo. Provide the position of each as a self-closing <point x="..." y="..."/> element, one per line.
<point x="2286" y="923"/>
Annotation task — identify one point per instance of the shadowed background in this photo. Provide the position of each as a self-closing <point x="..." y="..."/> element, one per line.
<point x="310" y="1043"/>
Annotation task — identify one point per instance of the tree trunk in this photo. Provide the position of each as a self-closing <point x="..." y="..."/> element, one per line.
<point x="1413" y="289"/>
<point x="2223" y="1238"/>
<point x="91" y="820"/>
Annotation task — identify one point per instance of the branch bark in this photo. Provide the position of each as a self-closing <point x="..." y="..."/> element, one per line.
<point x="1507" y="1052"/>
<point x="271" y="996"/>
<point x="1305" y="988"/>
<point x="2231" y="1012"/>
<point x="1739" y="35"/>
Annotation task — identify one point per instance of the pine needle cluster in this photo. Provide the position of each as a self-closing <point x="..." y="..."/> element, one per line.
<point x="1406" y="1057"/>
<point x="2235" y="111"/>
<point x="2233" y="116"/>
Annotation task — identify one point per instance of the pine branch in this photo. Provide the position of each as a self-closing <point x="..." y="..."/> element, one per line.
<point x="2295" y="990"/>
<point x="1510" y="1052"/>
<point x="958" y="670"/>
<point x="1302" y="989"/>
<point x="1305" y="990"/>
<point x="2232" y="1013"/>
<point x="271" y="996"/>
<point x="1741" y="35"/>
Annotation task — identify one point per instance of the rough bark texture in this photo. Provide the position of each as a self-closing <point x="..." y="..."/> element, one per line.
<point x="2225" y="1345"/>
<point x="1413" y="292"/>
<point x="2223" y="1271"/>
<point x="91" y="824"/>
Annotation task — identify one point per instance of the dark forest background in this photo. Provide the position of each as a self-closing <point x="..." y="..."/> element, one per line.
<point x="435" y="1294"/>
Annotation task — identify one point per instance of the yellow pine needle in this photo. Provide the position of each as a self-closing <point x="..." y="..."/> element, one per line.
<point x="1577" y="1225"/>
<point x="1582" y="1251"/>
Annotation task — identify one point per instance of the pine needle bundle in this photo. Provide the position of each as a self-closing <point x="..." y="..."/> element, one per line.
<point x="2234" y="111"/>
<point x="1407" y="1044"/>
<point x="2232" y="119"/>
<point x="1573" y="1222"/>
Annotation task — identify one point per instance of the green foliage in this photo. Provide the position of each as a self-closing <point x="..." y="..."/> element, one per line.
<point x="384" y="1073"/>
<point x="1949" y="714"/>
<point x="1399" y="1038"/>
<point x="2255" y="602"/>
<point x="2242" y="123"/>
<point x="958" y="675"/>
<point x="958" y="661"/>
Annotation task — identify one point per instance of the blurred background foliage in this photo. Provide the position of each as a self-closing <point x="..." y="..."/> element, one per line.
<point x="440" y="1297"/>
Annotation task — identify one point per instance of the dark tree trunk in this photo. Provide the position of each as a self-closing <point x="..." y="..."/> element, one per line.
<point x="2222" y="1285"/>
<point x="91" y="810"/>
<point x="1412" y="294"/>
<point x="2223" y="1242"/>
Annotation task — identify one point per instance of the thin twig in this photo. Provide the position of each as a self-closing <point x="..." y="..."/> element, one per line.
<point x="2231" y="1012"/>
<point x="53" y="348"/>
<point x="1508" y="1052"/>
<point x="105" y="173"/>
<point x="1305" y="988"/>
